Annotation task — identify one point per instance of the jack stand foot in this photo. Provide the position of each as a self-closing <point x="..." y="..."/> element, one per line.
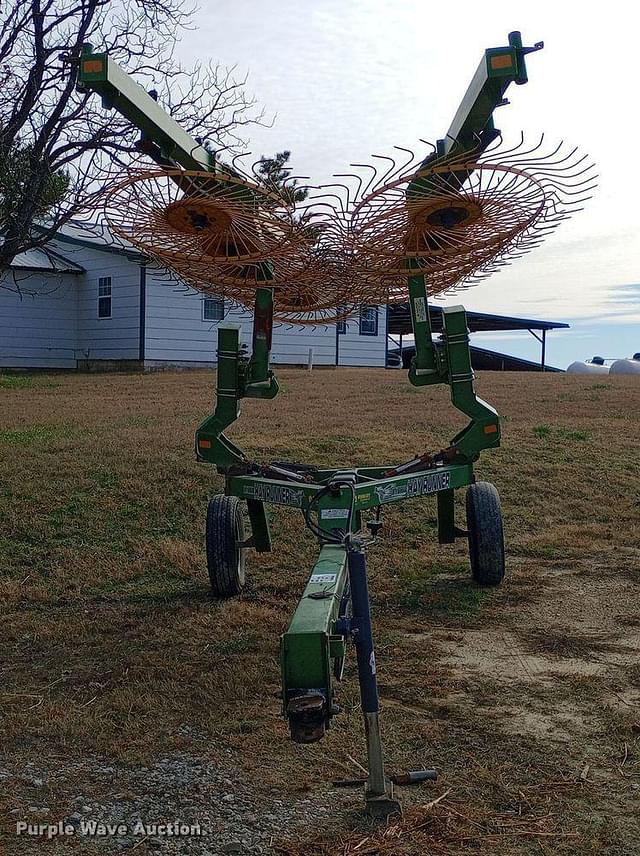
<point x="415" y="777"/>
<point x="381" y="805"/>
<point x="378" y="791"/>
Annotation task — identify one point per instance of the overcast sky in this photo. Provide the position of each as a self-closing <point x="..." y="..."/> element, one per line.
<point x="348" y="78"/>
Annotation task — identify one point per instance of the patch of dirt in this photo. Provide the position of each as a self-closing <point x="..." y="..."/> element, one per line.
<point x="563" y="723"/>
<point x="561" y="670"/>
<point x="499" y="655"/>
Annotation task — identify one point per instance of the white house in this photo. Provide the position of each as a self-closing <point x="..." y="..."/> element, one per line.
<point x="88" y="301"/>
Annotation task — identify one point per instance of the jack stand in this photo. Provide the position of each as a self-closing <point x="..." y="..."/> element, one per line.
<point x="378" y="789"/>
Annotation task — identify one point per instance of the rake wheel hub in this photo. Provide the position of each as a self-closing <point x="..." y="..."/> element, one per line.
<point x="450" y="216"/>
<point x="191" y="218"/>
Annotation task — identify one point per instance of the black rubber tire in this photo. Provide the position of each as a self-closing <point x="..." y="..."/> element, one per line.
<point x="225" y="559"/>
<point x="486" y="538"/>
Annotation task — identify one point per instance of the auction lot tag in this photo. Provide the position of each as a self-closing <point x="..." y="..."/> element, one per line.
<point x="323" y="578"/>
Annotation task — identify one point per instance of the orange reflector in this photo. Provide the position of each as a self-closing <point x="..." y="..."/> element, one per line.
<point x="501" y="61"/>
<point x="204" y="444"/>
<point x="490" y="429"/>
<point x="92" y="66"/>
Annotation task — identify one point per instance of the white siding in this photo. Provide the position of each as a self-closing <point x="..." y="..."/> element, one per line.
<point x="175" y="333"/>
<point x="291" y="345"/>
<point x="38" y="329"/>
<point x="115" y="338"/>
<point x="357" y="350"/>
<point x="61" y="324"/>
<point x="174" y="330"/>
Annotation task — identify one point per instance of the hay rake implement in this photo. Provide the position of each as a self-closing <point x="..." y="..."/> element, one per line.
<point x="424" y="227"/>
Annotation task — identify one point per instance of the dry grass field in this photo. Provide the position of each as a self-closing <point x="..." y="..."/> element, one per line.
<point x="127" y="691"/>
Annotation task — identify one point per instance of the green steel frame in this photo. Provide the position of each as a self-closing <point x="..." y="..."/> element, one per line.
<point x="314" y="645"/>
<point x="339" y="497"/>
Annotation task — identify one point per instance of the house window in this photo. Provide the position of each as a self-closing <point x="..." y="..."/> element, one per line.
<point x="369" y="321"/>
<point x="212" y="309"/>
<point x="341" y="324"/>
<point x="104" y="297"/>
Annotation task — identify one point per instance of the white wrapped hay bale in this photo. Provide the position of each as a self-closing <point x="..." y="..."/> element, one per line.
<point x="593" y="366"/>
<point x="631" y="366"/>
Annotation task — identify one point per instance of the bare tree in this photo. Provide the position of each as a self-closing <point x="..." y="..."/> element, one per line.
<point x="58" y="145"/>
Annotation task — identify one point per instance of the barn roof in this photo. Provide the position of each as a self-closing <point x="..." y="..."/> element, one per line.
<point x="400" y="321"/>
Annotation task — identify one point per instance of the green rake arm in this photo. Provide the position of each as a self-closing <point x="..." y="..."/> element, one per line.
<point x="163" y="139"/>
<point x="471" y="130"/>
<point x="472" y="127"/>
<point x="119" y="91"/>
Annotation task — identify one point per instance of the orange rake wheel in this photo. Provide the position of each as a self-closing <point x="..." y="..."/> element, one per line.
<point x="456" y="221"/>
